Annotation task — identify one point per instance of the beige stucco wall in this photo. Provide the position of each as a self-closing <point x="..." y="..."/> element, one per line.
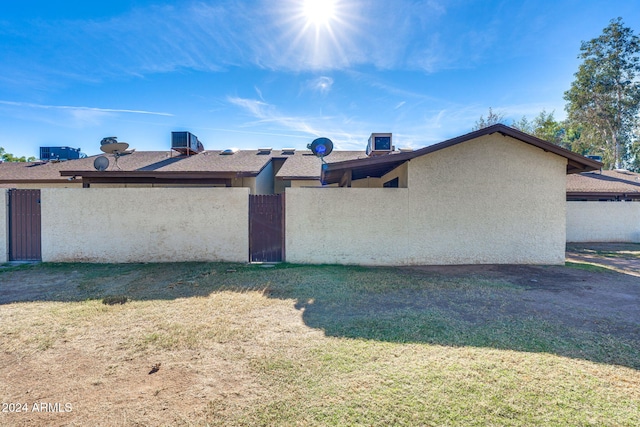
<point x="401" y="172"/>
<point x="346" y="225"/>
<point x="491" y="200"/>
<point x="603" y="222"/>
<point x="145" y="224"/>
<point x="298" y="183"/>
<point x="485" y="201"/>
<point x="4" y="225"/>
<point x="248" y="182"/>
<point x="265" y="180"/>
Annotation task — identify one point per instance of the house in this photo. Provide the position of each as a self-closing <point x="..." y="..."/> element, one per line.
<point x="495" y="195"/>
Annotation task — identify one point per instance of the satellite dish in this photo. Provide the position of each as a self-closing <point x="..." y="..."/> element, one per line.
<point x="321" y="147"/>
<point x="101" y="163"/>
<point x="110" y="145"/>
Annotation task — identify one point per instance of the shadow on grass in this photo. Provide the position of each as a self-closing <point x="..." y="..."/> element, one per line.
<point x="567" y="311"/>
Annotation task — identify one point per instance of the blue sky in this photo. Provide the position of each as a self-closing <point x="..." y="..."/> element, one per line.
<point x="256" y="73"/>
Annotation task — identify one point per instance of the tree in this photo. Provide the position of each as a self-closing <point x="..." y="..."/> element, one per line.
<point x="492" y="119"/>
<point x="8" y="157"/>
<point x="543" y="126"/>
<point x="604" y="99"/>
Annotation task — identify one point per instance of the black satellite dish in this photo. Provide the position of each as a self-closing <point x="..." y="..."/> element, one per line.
<point x="101" y="163"/>
<point x="321" y="147"/>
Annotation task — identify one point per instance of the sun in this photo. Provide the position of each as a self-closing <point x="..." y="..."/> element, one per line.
<point x="319" y="12"/>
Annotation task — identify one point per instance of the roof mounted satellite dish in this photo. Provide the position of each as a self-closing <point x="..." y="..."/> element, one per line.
<point x="321" y="147"/>
<point x="110" y="145"/>
<point x="101" y="163"/>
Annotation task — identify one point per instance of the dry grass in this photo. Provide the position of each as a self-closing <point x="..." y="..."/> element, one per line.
<point x="280" y="347"/>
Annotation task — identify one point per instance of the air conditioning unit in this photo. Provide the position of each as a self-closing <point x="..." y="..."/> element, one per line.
<point x="379" y="143"/>
<point x="186" y="143"/>
<point x="59" y="153"/>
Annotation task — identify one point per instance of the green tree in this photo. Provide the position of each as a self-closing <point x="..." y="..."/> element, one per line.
<point x="604" y="99"/>
<point x="8" y="157"/>
<point x="543" y="126"/>
<point x="492" y="119"/>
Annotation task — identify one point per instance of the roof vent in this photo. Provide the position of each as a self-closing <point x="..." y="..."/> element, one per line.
<point x="288" y="151"/>
<point x="229" y="151"/>
<point x="264" y="150"/>
<point x="596" y="158"/>
<point x="405" y="150"/>
<point x="186" y="143"/>
<point x="379" y="143"/>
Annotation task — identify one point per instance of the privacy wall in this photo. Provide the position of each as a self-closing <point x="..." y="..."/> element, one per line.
<point x="493" y="200"/>
<point x="145" y="224"/>
<point x="347" y="225"/>
<point x="603" y="222"/>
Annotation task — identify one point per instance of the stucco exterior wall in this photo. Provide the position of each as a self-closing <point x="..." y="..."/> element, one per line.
<point x="491" y="200"/>
<point x="401" y="172"/>
<point x="4" y="225"/>
<point x="248" y="182"/>
<point x="145" y="224"/>
<point x="265" y="180"/>
<point x="346" y="225"/>
<point x="298" y="183"/>
<point x="603" y="222"/>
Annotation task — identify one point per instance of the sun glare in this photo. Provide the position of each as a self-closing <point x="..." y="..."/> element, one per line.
<point x="319" y="12"/>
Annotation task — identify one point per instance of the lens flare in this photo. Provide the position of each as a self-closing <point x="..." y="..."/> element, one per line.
<point x="319" y="12"/>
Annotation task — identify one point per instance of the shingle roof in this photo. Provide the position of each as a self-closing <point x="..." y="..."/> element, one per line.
<point x="305" y="165"/>
<point x="299" y="165"/>
<point x="379" y="165"/>
<point x="50" y="171"/>
<point x="605" y="182"/>
<point x="246" y="162"/>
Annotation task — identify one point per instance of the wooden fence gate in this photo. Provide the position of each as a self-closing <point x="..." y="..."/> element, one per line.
<point x="24" y="225"/>
<point x="266" y="228"/>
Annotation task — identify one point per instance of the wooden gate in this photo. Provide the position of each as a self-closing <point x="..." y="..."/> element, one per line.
<point x="266" y="228"/>
<point x="24" y="225"/>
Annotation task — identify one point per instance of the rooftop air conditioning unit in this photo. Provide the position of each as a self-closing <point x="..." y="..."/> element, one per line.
<point x="379" y="143"/>
<point x="59" y="153"/>
<point x="186" y="143"/>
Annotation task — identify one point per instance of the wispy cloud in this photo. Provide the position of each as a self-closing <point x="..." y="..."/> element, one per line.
<point x="216" y="35"/>
<point x="265" y="113"/>
<point x="78" y="110"/>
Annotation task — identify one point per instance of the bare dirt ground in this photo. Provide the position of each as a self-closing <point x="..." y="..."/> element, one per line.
<point x="114" y="380"/>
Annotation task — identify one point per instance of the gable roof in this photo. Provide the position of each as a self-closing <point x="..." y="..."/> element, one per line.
<point x="380" y="165"/>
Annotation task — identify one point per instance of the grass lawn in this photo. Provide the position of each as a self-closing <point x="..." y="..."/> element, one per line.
<point x="228" y="344"/>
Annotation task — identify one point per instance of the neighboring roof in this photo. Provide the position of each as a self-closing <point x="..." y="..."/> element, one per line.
<point x="305" y="165"/>
<point x="605" y="184"/>
<point x="141" y="164"/>
<point x="50" y="171"/>
<point x="380" y="165"/>
<point x="212" y="165"/>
